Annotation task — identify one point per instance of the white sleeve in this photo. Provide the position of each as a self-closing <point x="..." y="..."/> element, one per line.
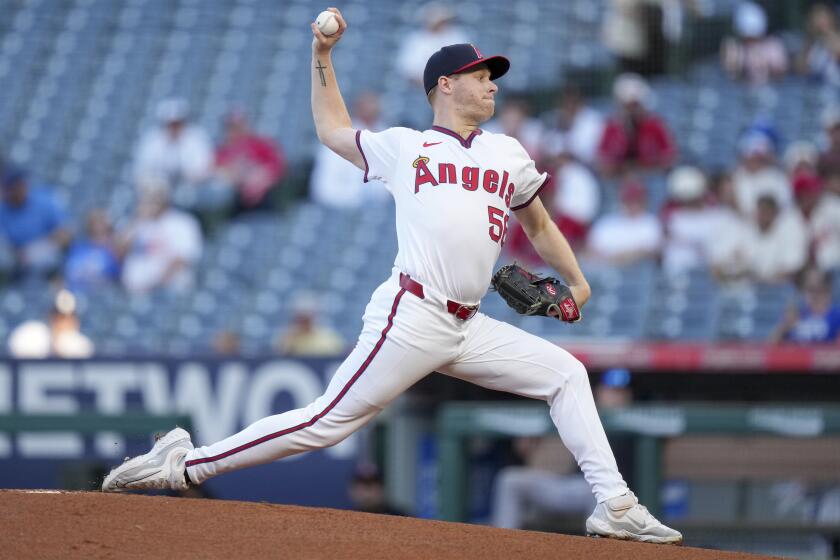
<point x="529" y="180"/>
<point x="380" y="151"/>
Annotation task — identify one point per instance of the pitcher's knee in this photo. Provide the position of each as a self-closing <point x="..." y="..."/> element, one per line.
<point x="329" y="431"/>
<point x="567" y="370"/>
<point x="576" y="371"/>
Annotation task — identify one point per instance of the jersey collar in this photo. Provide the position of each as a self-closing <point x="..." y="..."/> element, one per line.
<point x="465" y="143"/>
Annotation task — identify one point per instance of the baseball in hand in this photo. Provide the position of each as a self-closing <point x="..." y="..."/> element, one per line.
<point x="326" y="22"/>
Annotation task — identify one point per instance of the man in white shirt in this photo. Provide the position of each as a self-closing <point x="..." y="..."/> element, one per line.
<point x="176" y="150"/>
<point x="757" y="175"/>
<point x="454" y="187"/>
<point x="162" y="246"/>
<point x="60" y="338"/>
<point x="180" y="154"/>
<point x="691" y="226"/>
<point x="629" y="235"/>
<point x="575" y="125"/>
<point x="778" y="242"/>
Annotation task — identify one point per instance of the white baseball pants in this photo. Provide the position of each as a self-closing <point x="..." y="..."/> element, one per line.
<point x="404" y="338"/>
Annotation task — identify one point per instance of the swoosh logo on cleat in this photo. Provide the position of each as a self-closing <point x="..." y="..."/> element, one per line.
<point x="124" y="484"/>
<point x="427" y="144"/>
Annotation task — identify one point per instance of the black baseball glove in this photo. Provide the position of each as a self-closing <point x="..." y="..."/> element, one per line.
<point x="529" y="294"/>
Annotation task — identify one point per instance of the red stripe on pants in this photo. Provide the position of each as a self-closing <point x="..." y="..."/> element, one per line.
<point x="329" y="407"/>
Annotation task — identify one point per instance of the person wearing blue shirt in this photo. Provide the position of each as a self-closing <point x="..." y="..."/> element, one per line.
<point x="33" y="222"/>
<point x="813" y="319"/>
<point x="92" y="261"/>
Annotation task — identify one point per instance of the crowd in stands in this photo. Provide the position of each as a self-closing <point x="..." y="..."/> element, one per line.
<point x="183" y="186"/>
<point x="773" y="217"/>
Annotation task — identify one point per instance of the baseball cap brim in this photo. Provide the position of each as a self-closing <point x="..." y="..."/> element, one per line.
<point x="497" y="64"/>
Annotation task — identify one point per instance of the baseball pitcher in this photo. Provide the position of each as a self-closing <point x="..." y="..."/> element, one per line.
<point x="454" y="186"/>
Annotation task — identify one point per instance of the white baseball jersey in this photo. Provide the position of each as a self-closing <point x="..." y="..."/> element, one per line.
<point x="453" y="198"/>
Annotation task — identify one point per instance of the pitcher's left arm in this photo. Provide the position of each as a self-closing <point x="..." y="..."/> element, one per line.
<point x="553" y="247"/>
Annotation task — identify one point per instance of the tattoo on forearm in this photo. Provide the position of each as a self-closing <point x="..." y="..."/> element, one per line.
<point x="321" y="69"/>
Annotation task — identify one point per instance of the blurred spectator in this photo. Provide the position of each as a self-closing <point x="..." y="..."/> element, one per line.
<point x="623" y="34"/>
<point x="305" y="337"/>
<point x="634" y="137"/>
<point x="820" y="58"/>
<point x="515" y="120"/>
<point x="549" y="480"/>
<point x="634" y="31"/>
<point x="337" y="183"/>
<point x="642" y="33"/>
<point x="162" y="246"/>
<point x="92" y="260"/>
<point x="226" y="343"/>
<point x="180" y="154"/>
<point x="253" y="164"/>
<point x="801" y="158"/>
<point x="438" y="31"/>
<point x="61" y="338"/>
<point x="576" y="193"/>
<point x="575" y="125"/>
<point x="729" y="254"/>
<point x="813" y="318"/>
<point x="778" y="242"/>
<point x="367" y="491"/>
<point x="572" y="198"/>
<point x="820" y="211"/>
<point x="691" y="224"/>
<point x="757" y="174"/>
<point x="752" y="55"/>
<point x="629" y="235"/>
<point x="829" y="162"/>
<point x="33" y="222"/>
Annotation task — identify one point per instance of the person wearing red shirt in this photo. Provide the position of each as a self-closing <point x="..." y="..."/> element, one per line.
<point x="634" y="138"/>
<point x="253" y="164"/>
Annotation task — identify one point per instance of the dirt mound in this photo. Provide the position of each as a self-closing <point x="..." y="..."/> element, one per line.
<point x="51" y="524"/>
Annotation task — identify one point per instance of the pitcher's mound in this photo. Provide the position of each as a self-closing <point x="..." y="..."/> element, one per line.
<point x="52" y="524"/>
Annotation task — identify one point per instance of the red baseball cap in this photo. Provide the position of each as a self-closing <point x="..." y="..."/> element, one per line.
<point x="454" y="59"/>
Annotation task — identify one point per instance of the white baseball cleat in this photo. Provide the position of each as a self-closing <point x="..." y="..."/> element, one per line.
<point x="161" y="468"/>
<point x="624" y="518"/>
